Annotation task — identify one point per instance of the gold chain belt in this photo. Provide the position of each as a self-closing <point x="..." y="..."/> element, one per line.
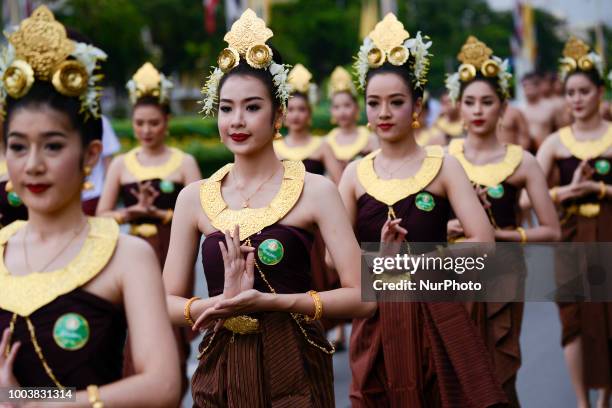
<point x="143" y="230"/>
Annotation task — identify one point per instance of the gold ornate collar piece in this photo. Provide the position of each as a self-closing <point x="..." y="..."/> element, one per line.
<point x="391" y="191"/>
<point x="26" y="294"/>
<point x="490" y="174"/>
<point x="251" y="220"/>
<point x="297" y="153"/>
<point x="453" y="129"/>
<point x="148" y="81"/>
<point x="346" y="152"/>
<point x="588" y="149"/>
<point x="141" y="173"/>
<point x="341" y="81"/>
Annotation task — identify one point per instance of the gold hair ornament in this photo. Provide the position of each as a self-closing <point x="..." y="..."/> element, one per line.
<point x="246" y="40"/>
<point x="476" y="57"/>
<point x="389" y="41"/>
<point x="41" y="50"/>
<point x="148" y="81"/>
<point x="576" y="56"/>
<point x="299" y="81"/>
<point x="341" y="81"/>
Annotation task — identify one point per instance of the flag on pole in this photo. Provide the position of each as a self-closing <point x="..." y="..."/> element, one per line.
<point x="369" y="17"/>
<point x="210" y="9"/>
<point x="524" y="41"/>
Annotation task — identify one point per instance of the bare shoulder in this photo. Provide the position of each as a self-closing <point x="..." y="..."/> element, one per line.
<point x="318" y="187"/>
<point x="127" y="250"/>
<point x="117" y="162"/>
<point x="189" y="160"/>
<point x="551" y="143"/>
<point x="191" y="192"/>
<point x="450" y="165"/>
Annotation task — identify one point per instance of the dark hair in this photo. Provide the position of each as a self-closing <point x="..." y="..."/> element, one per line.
<point x="264" y="75"/>
<point x="592" y="75"/>
<point x="491" y="81"/>
<point x="402" y="71"/>
<point x="150" y="100"/>
<point x="43" y="94"/>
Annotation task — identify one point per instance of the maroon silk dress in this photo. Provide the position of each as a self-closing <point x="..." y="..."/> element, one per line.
<point x="414" y="354"/>
<point x="592" y="321"/>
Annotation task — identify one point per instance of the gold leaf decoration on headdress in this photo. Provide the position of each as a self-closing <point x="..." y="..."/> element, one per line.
<point x="42" y="42"/>
<point x="474" y="52"/>
<point x="389" y="33"/>
<point x="341" y="81"/>
<point x="147" y="80"/>
<point x="247" y="31"/>
<point x="299" y="78"/>
<point x="575" y="48"/>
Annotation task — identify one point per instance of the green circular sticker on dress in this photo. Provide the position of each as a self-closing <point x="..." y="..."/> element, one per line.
<point x="425" y="201"/>
<point x="270" y="252"/>
<point x="602" y="166"/>
<point x="13" y="199"/>
<point x="496" y="191"/>
<point x="71" y="331"/>
<point x="166" y="186"/>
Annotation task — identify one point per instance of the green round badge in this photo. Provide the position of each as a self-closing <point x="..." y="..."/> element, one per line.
<point x="602" y="166"/>
<point x="496" y="191"/>
<point x="425" y="201"/>
<point x="71" y="331"/>
<point x="270" y="252"/>
<point x="166" y="186"/>
<point x="13" y="199"/>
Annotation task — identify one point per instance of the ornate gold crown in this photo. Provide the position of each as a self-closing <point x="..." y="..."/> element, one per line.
<point x="40" y="49"/>
<point x="299" y="78"/>
<point x="341" y="81"/>
<point x="389" y="41"/>
<point x="148" y="81"/>
<point x="247" y="40"/>
<point x="476" y="56"/>
<point x="576" y="55"/>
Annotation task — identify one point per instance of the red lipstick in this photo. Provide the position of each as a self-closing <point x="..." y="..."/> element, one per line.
<point x="38" y="188"/>
<point x="478" y="122"/>
<point x="239" y="137"/>
<point x="385" y="126"/>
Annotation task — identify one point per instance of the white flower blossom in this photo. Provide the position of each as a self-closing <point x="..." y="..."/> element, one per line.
<point x="453" y="84"/>
<point x="419" y="50"/>
<point x="597" y="62"/>
<point x="361" y="63"/>
<point x="313" y="94"/>
<point x="209" y="92"/>
<point x="165" y="85"/>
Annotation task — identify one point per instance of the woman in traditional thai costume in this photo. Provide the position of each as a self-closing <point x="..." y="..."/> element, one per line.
<point x="499" y="172"/>
<point x="348" y="140"/>
<point x="449" y="125"/>
<point x="581" y="154"/>
<point x="268" y="348"/>
<point x="68" y="286"/>
<point x="148" y="178"/>
<point x="411" y="354"/>
<point x="299" y="144"/>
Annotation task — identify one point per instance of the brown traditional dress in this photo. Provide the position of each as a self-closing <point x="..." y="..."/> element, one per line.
<point x="80" y="335"/>
<point x="415" y="354"/>
<point x="11" y="206"/>
<point x="499" y="323"/>
<point x="153" y="230"/>
<point x="588" y="219"/>
<point x="269" y="358"/>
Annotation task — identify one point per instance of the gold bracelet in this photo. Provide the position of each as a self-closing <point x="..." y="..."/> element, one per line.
<point x="119" y="218"/>
<point x="317" y="304"/>
<point x="522" y="233"/>
<point x="93" y="396"/>
<point x="187" y="310"/>
<point x="168" y="216"/>
<point x="553" y="194"/>
<point x="602" y="190"/>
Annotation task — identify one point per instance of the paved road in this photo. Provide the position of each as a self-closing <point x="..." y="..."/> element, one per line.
<point x="543" y="380"/>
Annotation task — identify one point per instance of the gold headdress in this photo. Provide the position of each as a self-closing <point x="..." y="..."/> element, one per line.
<point x="576" y="56"/>
<point x="390" y="42"/>
<point x="341" y="81"/>
<point x="246" y="40"/>
<point x="299" y="81"/>
<point x="476" y="57"/>
<point x="148" y="81"/>
<point x="41" y="50"/>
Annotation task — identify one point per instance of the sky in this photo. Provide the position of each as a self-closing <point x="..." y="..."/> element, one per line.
<point x="579" y="13"/>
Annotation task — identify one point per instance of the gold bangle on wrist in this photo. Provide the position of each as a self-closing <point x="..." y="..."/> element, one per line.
<point x="317" y="304"/>
<point x="187" y="310"/>
<point x="93" y="396"/>
<point x="168" y="216"/>
<point x="522" y="233"/>
<point x="602" y="190"/>
<point x="553" y="194"/>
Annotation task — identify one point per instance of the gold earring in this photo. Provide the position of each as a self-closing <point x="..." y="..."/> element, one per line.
<point x="277" y="134"/>
<point x="8" y="187"/>
<point x="415" y="122"/>
<point x="87" y="185"/>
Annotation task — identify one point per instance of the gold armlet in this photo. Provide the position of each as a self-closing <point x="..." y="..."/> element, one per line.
<point x="187" y="310"/>
<point x="553" y="194"/>
<point x="522" y="233"/>
<point x="317" y="304"/>
<point x="93" y="395"/>
<point x="602" y="190"/>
